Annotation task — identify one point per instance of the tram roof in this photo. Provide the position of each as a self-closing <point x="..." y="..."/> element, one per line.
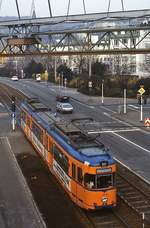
<point x="70" y="137"/>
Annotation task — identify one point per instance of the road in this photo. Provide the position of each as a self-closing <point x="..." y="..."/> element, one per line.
<point x="129" y="142"/>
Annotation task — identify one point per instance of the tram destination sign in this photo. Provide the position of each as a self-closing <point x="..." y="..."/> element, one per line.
<point x="107" y="170"/>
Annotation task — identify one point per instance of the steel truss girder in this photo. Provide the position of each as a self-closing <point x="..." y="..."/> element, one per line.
<point x="78" y="42"/>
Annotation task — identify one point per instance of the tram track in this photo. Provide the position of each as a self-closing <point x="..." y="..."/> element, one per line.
<point x="132" y="202"/>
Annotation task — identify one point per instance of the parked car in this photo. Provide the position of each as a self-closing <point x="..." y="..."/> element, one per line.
<point x="14" y="78"/>
<point x="64" y="107"/>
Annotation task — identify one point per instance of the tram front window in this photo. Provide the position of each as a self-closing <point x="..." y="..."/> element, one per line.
<point x="98" y="181"/>
<point x="89" y="180"/>
<point x="104" y="181"/>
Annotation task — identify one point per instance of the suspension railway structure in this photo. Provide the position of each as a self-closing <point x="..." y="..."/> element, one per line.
<point x="85" y="34"/>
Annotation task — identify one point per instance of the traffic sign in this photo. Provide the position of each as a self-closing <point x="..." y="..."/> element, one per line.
<point x="147" y="122"/>
<point x="141" y="90"/>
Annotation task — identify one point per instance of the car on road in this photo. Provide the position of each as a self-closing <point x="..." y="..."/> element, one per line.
<point x="64" y="107"/>
<point x="14" y="78"/>
<point x="63" y="99"/>
<point x="38" y="77"/>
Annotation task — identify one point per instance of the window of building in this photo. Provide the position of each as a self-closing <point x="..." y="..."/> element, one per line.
<point x="116" y="42"/>
<point x="124" y="41"/>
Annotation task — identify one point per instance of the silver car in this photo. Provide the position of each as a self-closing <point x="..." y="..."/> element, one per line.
<point x="64" y="107"/>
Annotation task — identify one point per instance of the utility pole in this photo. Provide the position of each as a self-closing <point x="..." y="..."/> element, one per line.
<point x="102" y="91"/>
<point x="141" y="116"/>
<point x="90" y="67"/>
<point x="125" y="101"/>
<point x="141" y="91"/>
<point x="13" y="109"/>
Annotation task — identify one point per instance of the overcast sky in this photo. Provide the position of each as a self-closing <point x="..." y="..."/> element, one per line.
<point x="59" y="7"/>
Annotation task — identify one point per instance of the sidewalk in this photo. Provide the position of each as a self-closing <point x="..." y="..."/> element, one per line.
<point x="17" y="207"/>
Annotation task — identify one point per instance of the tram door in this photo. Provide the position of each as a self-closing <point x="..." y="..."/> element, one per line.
<point x="74" y="182"/>
<point x="28" y="130"/>
<point x="79" y="187"/>
<point x="47" y="148"/>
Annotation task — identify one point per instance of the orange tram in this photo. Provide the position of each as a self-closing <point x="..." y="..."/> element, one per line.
<point x="84" y="168"/>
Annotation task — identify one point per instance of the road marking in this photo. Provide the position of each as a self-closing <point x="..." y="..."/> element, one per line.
<point x="140" y="147"/>
<point x="133" y="106"/>
<point x="4" y="114"/>
<point x="120" y="130"/>
<point x="106" y="114"/>
<point x="89" y="106"/>
<point x="108" y="109"/>
<point x="1" y="104"/>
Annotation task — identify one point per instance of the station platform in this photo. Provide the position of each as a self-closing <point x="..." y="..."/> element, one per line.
<point x="17" y="207"/>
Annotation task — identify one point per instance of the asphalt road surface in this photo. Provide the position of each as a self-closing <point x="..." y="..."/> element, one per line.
<point x="128" y="142"/>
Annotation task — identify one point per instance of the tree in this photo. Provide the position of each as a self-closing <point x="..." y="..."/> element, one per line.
<point x="66" y="71"/>
<point x="33" y="68"/>
<point x="123" y="71"/>
<point x="99" y="69"/>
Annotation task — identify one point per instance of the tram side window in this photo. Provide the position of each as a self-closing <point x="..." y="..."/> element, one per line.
<point x="46" y="142"/>
<point x="89" y="180"/>
<point x="61" y="158"/>
<point x="37" y="132"/>
<point x="80" y="176"/>
<point x="28" y="121"/>
<point x="73" y="171"/>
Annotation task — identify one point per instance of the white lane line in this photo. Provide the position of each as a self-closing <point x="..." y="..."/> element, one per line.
<point x="1" y="104"/>
<point x="89" y="106"/>
<point x="127" y="140"/>
<point x="133" y="106"/>
<point x="120" y="130"/>
<point x="108" y="109"/>
<point x="112" y="131"/>
<point x="127" y="167"/>
<point x="106" y="114"/>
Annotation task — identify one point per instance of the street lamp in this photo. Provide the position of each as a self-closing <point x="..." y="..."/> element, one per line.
<point x="62" y="79"/>
<point x="102" y="91"/>
<point x="125" y="101"/>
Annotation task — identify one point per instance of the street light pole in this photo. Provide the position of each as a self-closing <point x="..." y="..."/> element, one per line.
<point x="141" y="116"/>
<point x="62" y="79"/>
<point x="125" y="101"/>
<point x="102" y="91"/>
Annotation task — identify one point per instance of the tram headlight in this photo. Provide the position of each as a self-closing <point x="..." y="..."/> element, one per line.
<point x="104" y="199"/>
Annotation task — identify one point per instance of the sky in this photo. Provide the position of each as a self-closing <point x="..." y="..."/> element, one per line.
<point x="59" y="7"/>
